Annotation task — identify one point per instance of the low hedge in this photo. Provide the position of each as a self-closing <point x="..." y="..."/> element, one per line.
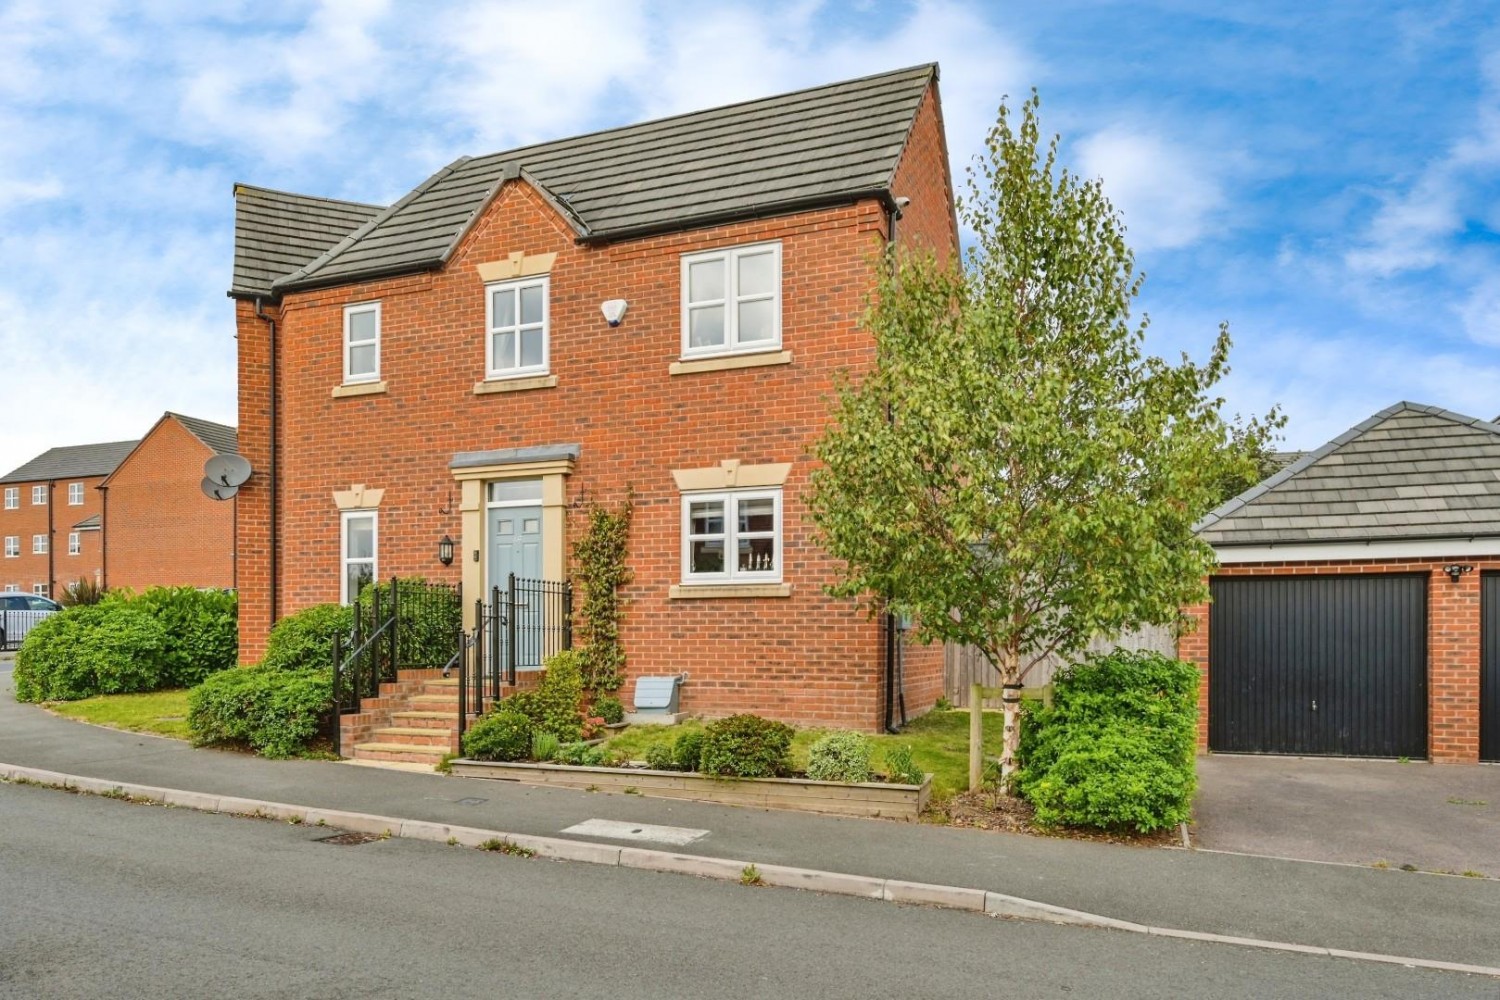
<point x="97" y="649"/>
<point x="1117" y="747"/>
<point x="304" y="640"/>
<point x="840" y="756"/>
<point x="499" y="735"/>
<point x="430" y="620"/>
<point x="273" y="712"/>
<point x="746" y="746"/>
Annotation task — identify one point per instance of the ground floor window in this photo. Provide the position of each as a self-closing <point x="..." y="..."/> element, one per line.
<point x="358" y="546"/>
<point x="731" y="537"/>
<point x="39" y="589"/>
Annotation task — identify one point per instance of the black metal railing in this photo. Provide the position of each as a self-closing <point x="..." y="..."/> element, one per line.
<point x="515" y="630"/>
<point x="399" y="625"/>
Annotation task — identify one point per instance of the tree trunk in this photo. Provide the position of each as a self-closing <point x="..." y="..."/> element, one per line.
<point x="1010" y="702"/>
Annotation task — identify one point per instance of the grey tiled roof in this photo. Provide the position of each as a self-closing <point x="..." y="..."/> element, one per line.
<point x="778" y="154"/>
<point x="89" y="523"/>
<point x="276" y="232"/>
<point x="1408" y="472"/>
<point x="72" y="462"/>
<point x="220" y="438"/>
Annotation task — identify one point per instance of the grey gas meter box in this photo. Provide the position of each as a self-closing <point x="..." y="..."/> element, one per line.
<point x="657" y="695"/>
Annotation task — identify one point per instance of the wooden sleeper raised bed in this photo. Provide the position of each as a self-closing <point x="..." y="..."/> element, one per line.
<point x="867" y="798"/>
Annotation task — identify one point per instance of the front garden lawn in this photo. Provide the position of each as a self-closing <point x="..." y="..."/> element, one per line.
<point x="939" y="743"/>
<point x="161" y="712"/>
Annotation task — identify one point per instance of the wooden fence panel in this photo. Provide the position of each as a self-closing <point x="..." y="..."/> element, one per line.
<point x="965" y="665"/>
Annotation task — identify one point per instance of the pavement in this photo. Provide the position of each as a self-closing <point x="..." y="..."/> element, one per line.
<point x="1442" y="918"/>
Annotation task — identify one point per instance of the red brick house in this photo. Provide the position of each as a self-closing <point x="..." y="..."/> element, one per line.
<point x="162" y="530"/>
<point x="1356" y="607"/>
<point x="51" y="517"/>
<point x="656" y="310"/>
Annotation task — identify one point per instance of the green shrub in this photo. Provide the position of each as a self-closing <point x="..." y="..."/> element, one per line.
<point x="543" y="745"/>
<point x="202" y="630"/>
<point x="610" y="709"/>
<point x="659" y="757"/>
<point x="746" y="746"/>
<point x="687" y="751"/>
<point x="1117" y="746"/>
<point x="89" y="650"/>
<point x="840" y="756"/>
<point x="499" y="735"/>
<point x="900" y="768"/>
<point x="552" y="705"/>
<point x="304" y="641"/>
<point x="82" y="592"/>
<point x="581" y="754"/>
<point x="276" y="713"/>
<point x="430" y="620"/>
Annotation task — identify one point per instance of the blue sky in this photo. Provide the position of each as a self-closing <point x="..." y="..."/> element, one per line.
<point x="1326" y="182"/>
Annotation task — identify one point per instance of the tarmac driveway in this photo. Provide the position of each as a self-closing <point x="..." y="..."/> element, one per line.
<point x="1436" y="817"/>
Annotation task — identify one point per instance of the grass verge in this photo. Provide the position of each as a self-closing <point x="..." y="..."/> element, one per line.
<point x="161" y="712"/>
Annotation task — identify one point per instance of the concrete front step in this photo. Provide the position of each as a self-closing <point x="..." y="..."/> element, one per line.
<point x="409" y="736"/>
<point x="425" y="720"/>
<point x="399" y="751"/>
<point x="434" y="703"/>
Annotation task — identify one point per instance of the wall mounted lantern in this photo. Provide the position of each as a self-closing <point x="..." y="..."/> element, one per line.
<point x="1456" y="570"/>
<point x="445" y="551"/>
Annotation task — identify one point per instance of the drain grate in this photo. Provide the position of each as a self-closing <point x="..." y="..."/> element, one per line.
<point x="349" y="839"/>
<point x="471" y="801"/>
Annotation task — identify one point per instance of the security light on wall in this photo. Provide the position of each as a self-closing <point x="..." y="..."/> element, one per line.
<point x="614" y="310"/>
<point x="1456" y="570"/>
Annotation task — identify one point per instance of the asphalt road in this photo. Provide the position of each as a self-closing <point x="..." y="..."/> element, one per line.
<point x="100" y="898"/>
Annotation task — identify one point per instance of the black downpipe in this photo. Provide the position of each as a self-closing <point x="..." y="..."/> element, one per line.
<point x="271" y="473"/>
<point x="103" y="537"/>
<point x="892" y="214"/>
<point x="51" y="540"/>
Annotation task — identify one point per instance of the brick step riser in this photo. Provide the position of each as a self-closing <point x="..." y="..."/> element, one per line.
<point x="436" y="739"/>
<point x="448" y="721"/>
<point x="413" y="757"/>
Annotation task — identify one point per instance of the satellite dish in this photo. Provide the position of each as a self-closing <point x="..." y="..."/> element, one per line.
<point x="227" y="470"/>
<point x="217" y="491"/>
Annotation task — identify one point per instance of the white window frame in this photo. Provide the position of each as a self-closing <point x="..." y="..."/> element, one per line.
<point x="75" y="543"/>
<point x="491" y="372"/>
<point x="349" y="312"/>
<point x="345" y="561"/>
<point x="38" y="545"/>
<point x="75" y="494"/>
<point x="732" y="574"/>
<point x="39" y="496"/>
<point x="12" y="588"/>
<point x="39" y="589"/>
<point x="12" y="546"/>
<point x="731" y="301"/>
<point x="12" y="497"/>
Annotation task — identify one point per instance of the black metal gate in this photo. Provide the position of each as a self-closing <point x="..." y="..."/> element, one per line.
<point x="516" y="630"/>
<point x="1489" y="670"/>
<point x="1319" y="665"/>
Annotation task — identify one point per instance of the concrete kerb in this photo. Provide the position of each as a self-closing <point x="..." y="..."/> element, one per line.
<point x="838" y="883"/>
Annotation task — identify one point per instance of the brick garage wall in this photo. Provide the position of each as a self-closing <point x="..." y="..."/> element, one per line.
<point x="163" y="531"/>
<point x="1452" y="644"/>
<point x="27" y="570"/>
<point x="806" y="657"/>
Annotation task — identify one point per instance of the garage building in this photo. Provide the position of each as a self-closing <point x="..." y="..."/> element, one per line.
<point x="1356" y="608"/>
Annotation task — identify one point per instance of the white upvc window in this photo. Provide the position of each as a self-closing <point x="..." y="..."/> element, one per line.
<point x="75" y="494"/>
<point x="12" y="588"/>
<point x="731" y="301"/>
<point x="12" y="546"/>
<point x="362" y="343"/>
<point x="12" y="497"/>
<point x="39" y="496"/>
<point x="358" y="545"/>
<point x="39" y="589"/>
<point x="75" y="543"/>
<point x="38" y="545"/>
<point x="517" y="322"/>
<point x="731" y="537"/>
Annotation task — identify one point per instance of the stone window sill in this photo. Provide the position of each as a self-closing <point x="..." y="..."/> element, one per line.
<point x="702" y="591"/>
<point x="730" y="362"/>
<point x="514" y="384"/>
<point x="358" y="389"/>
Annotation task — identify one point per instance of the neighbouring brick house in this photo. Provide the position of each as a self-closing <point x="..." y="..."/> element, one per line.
<point x="1356" y="607"/>
<point x="456" y="364"/>
<point x="51" y="517"/>
<point x="162" y="530"/>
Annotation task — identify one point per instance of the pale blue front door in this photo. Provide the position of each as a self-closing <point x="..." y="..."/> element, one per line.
<point x="516" y="548"/>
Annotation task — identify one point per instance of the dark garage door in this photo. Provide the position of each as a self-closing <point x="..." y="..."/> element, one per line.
<point x="1332" y="665"/>
<point x="1489" y="672"/>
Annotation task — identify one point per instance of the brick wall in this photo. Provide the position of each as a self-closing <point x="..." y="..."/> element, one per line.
<point x="163" y="531"/>
<point x="806" y="657"/>
<point x="27" y="570"/>
<point x="1452" y="644"/>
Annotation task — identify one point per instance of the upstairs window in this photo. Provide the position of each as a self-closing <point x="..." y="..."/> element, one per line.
<point x="75" y="494"/>
<point x="732" y="537"/>
<point x="362" y="343"/>
<point x="517" y="318"/>
<point x="12" y="546"/>
<point x="731" y="301"/>
<point x="38" y="496"/>
<point x="12" y="497"/>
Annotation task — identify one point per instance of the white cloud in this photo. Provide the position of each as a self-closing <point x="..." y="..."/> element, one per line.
<point x="1168" y="195"/>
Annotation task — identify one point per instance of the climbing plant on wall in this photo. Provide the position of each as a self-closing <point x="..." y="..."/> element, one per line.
<point x="599" y="557"/>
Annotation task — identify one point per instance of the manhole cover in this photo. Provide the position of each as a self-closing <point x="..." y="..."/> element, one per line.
<point x="471" y="801"/>
<point x="349" y="839"/>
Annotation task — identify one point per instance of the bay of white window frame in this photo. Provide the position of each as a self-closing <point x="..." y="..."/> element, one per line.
<point x="12" y="497"/>
<point x="344" y="559"/>
<point x="39" y="496"/>
<point x="38" y="545"/>
<point x="75" y="543"/>
<point x="75" y="489"/>
<point x="12" y="546"/>
<point x="39" y="589"/>
<point x="731" y="343"/>
<point x="732" y="574"/>
<point x="491" y="373"/>
<point x="350" y="310"/>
